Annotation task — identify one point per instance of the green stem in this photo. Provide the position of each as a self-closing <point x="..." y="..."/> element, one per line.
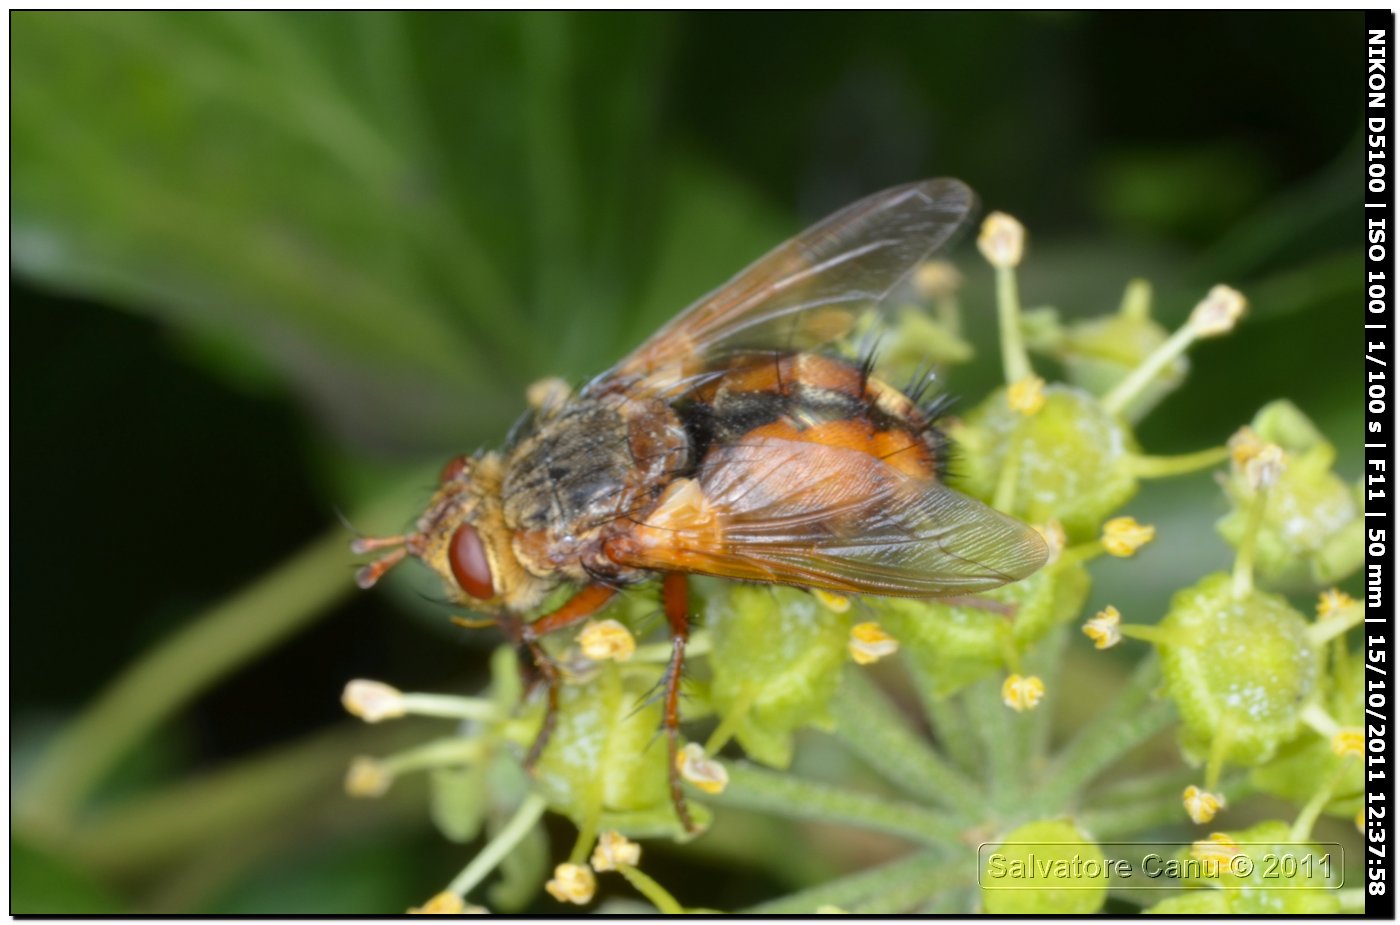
<point x="736" y="713"/>
<point x="446" y="706"/>
<point x="1303" y="826"/>
<point x="1243" y="584"/>
<point x="270" y="789"/>
<point x="870" y="726"/>
<point x="1145" y="788"/>
<point x="1155" y="467"/>
<point x="440" y="753"/>
<point x="1123" y="393"/>
<point x="853" y="888"/>
<point x="902" y="897"/>
<point x="151" y="690"/>
<point x="1148" y="633"/>
<point x="992" y="720"/>
<point x="1219" y="747"/>
<point x="503" y="844"/>
<point x="949" y="722"/>
<point x="199" y="654"/>
<point x="1045" y="662"/>
<point x="785" y="795"/>
<point x="1014" y="361"/>
<point x="655" y="893"/>
<point x="1127" y="724"/>
<point x="1325" y="630"/>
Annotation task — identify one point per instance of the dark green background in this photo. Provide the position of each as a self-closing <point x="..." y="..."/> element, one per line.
<point x="244" y="296"/>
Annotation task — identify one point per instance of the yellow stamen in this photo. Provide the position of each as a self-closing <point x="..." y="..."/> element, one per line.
<point x="368" y="778"/>
<point x="701" y="770"/>
<point x="1349" y="742"/>
<point x="615" y="850"/>
<point x="833" y="602"/>
<point x="1026" y="395"/>
<point x="1021" y="694"/>
<point x="1123" y="536"/>
<point x="1105" y="628"/>
<point x="572" y="883"/>
<point x="1216" y="851"/>
<point x="1332" y="602"/>
<point x="373" y="701"/>
<point x="445" y="903"/>
<point x="606" y="639"/>
<point x="1244" y="445"/>
<point x="869" y="643"/>
<point x="1201" y="805"/>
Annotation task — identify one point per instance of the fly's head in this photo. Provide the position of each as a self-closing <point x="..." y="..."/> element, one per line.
<point x="463" y="537"/>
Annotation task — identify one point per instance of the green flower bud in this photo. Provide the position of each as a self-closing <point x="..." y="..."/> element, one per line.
<point x="776" y="658"/>
<point x="598" y="760"/>
<point x="1098" y="353"/>
<point x="917" y="340"/>
<point x="1237" y="669"/>
<point x="1312" y="531"/>
<point x="1043" y="868"/>
<point x="1072" y="458"/>
<point x="954" y="646"/>
<point x="1304" y="764"/>
<point x="1199" y="902"/>
<point x="457" y="801"/>
<point x="1262" y="871"/>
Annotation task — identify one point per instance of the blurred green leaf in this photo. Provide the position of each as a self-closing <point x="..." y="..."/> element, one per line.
<point x="401" y="216"/>
<point x="43" y="884"/>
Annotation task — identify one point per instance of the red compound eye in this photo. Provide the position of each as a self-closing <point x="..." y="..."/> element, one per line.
<point x="467" y="556"/>
<point x="454" y="468"/>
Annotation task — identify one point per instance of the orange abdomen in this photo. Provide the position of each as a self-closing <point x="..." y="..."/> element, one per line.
<point x="808" y="397"/>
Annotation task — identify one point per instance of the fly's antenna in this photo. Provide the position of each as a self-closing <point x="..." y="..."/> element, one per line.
<point x="368" y="575"/>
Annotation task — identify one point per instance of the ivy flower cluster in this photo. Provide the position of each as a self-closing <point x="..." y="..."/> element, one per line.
<point x="1262" y="697"/>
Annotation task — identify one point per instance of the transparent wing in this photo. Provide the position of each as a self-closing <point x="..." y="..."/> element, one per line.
<point x="811" y="290"/>
<point x="828" y="517"/>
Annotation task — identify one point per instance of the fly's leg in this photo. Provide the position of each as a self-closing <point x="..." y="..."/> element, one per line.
<point x="576" y="609"/>
<point x="675" y="600"/>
